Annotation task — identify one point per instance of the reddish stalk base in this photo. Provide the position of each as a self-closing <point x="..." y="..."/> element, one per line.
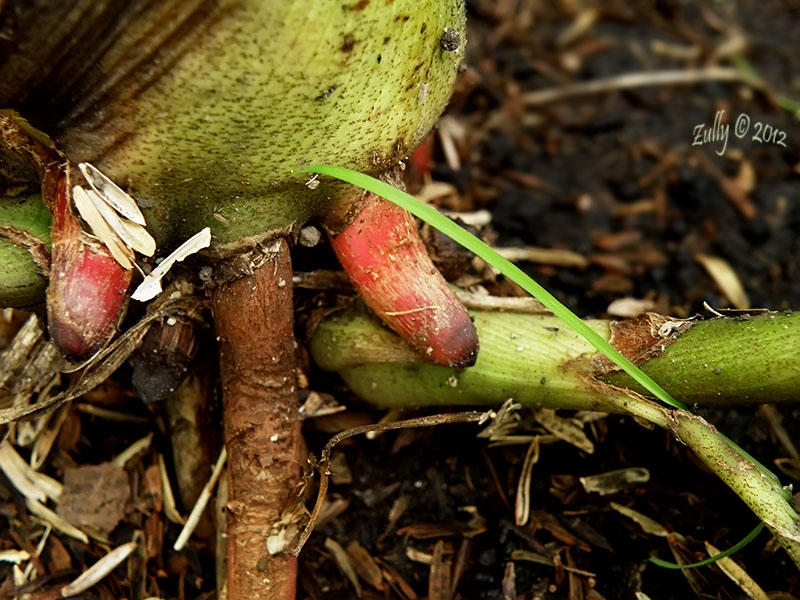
<point x="87" y="286"/>
<point x="254" y="321"/>
<point x="383" y="254"/>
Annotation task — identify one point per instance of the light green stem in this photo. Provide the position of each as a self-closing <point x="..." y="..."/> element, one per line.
<point x="539" y="363"/>
<point x="24" y="250"/>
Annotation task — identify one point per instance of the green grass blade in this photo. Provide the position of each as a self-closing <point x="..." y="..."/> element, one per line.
<point x="434" y="218"/>
<point x="735" y="548"/>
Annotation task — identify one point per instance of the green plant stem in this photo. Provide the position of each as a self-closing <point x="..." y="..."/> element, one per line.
<point x="431" y="216"/>
<point x="24" y="250"/>
<point x="542" y="364"/>
<point x="539" y="363"/>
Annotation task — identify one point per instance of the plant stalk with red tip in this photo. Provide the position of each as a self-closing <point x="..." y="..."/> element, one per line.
<point x="382" y="252"/>
<point x="87" y="288"/>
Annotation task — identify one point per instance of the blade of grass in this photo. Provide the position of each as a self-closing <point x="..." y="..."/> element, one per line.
<point x="434" y="218"/>
<point x="733" y="549"/>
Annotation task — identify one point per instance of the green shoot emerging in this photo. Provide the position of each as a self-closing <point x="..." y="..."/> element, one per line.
<point x="431" y="216"/>
<point x="434" y="218"/>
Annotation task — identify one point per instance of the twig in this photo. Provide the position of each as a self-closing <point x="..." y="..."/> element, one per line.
<point x="429" y="421"/>
<point x="636" y="80"/>
<point x="200" y="505"/>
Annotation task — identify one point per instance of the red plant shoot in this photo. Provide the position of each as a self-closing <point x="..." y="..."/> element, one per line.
<point x="87" y="287"/>
<point x="384" y="256"/>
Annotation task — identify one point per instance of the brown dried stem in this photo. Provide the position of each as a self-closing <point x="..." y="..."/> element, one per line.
<point x="254" y="322"/>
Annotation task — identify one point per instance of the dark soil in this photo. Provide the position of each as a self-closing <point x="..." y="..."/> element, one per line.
<point x="612" y="176"/>
<point x="617" y="179"/>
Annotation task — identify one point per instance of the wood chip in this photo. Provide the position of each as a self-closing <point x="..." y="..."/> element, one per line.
<point x="439" y="577"/>
<point x="738" y="575"/>
<point x="541" y="519"/>
<point x="726" y="278"/>
<point x="343" y="562"/>
<point x="647" y="524"/>
<point x="364" y="565"/>
<point x="98" y="570"/>
<point x="397" y="583"/>
<point x="151" y="286"/>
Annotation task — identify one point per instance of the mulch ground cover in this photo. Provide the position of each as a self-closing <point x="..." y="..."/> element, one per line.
<point x="642" y="203"/>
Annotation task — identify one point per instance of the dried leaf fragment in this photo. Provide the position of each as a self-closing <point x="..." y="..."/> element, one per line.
<point x="612" y="482"/>
<point x="113" y="194"/>
<point x="523" y="504"/>
<point x="98" y="570"/>
<point x="647" y="524"/>
<point x="151" y="286"/>
<point x="14" y="556"/>
<point x="726" y="278"/>
<point x="738" y="575"/>
<point x="564" y="429"/>
<point x="94" y="496"/>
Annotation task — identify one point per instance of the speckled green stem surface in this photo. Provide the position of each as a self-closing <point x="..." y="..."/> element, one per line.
<point x="24" y="250"/>
<point x="205" y="110"/>
<point x="540" y="363"/>
<point x="535" y="361"/>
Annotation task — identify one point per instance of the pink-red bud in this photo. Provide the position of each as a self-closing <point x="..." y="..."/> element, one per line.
<point x="384" y="256"/>
<point x="87" y="287"/>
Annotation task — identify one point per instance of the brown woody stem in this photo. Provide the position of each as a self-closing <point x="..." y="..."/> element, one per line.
<point x="254" y="323"/>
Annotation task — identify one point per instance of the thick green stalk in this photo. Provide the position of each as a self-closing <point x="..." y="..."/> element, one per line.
<point x="746" y="360"/>
<point x="24" y="250"/>
<point x="539" y="363"/>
